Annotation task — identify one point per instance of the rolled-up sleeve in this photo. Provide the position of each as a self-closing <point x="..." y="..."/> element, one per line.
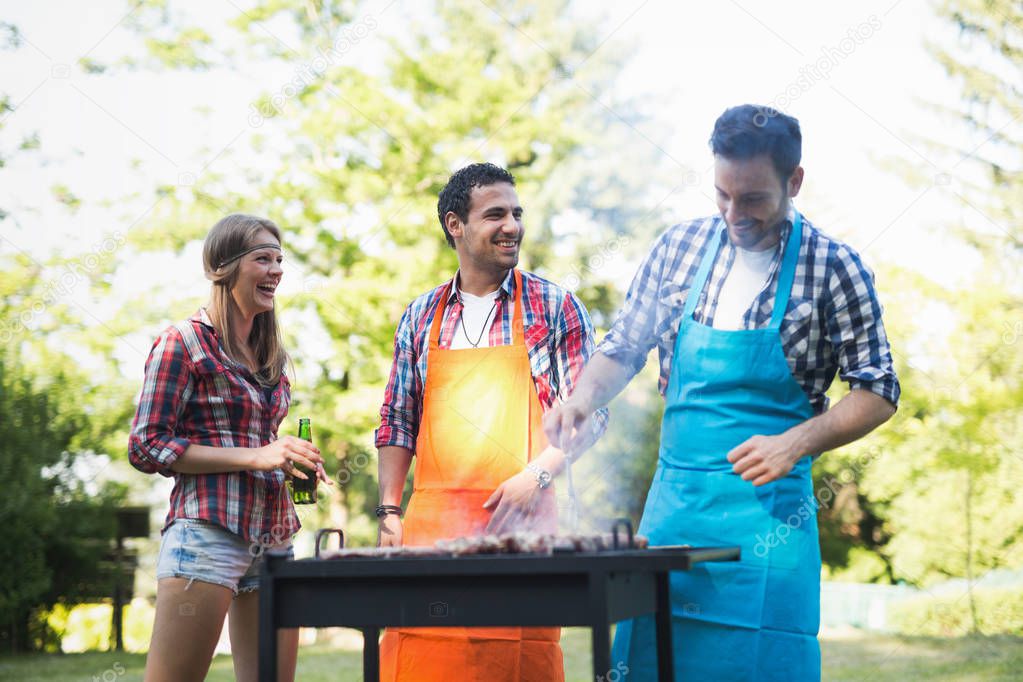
<point x="632" y="334"/>
<point x="154" y="444"/>
<point x="856" y="330"/>
<point x="399" y="414"/>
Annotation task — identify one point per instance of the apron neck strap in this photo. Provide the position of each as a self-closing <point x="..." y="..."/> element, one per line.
<point x="785" y="277"/>
<point x="788" y="271"/>
<point x="702" y="273"/>
<point x="518" y="322"/>
<point x="518" y="331"/>
<point x="438" y="317"/>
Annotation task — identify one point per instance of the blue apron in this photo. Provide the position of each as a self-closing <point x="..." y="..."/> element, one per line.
<point x="755" y="619"/>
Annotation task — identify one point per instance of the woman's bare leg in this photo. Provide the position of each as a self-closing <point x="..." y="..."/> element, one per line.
<point x="189" y="619"/>
<point x="243" y="624"/>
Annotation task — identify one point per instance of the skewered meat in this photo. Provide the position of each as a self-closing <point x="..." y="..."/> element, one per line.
<point x="520" y="542"/>
<point x="382" y="552"/>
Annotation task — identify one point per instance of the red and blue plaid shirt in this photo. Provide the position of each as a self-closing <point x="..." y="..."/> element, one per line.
<point x="558" y="334"/>
<point x="194" y="393"/>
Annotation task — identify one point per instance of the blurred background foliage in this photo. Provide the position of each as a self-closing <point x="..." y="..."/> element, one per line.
<point x="349" y="158"/>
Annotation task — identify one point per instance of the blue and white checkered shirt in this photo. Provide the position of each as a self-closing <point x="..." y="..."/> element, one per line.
<point x="832" y="323"/>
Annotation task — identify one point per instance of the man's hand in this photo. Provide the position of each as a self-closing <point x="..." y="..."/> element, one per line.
<point x="389" y="531"/>
<point x="515" y="504"/>
<point x="563" y="424"/>
<point x="762" y="459"/>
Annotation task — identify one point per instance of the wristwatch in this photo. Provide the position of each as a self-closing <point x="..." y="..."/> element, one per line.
<point x="543" y="477"/>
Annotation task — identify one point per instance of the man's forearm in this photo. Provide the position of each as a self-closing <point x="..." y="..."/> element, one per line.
<point x="393" y="464"/>
<point x="600" y="381"/>
<point x="854" y="416"/>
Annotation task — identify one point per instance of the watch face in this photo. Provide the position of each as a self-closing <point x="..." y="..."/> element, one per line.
<point x="544" y="479"/>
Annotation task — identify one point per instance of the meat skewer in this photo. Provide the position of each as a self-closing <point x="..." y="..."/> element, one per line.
<point x="520" y="542"/>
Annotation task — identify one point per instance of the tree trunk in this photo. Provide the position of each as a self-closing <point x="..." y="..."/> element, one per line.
<point x="974" y="628"/>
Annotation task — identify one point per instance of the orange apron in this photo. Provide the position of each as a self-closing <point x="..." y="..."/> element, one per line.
<point x="481" y="423"/>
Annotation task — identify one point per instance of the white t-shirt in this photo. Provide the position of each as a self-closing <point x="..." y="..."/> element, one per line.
<point x="742" y="284"/>
<point x="477" y="316"/>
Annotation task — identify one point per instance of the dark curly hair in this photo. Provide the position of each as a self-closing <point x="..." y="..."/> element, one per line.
<point x="750" y="130"/>
<point x="455" y="196"/>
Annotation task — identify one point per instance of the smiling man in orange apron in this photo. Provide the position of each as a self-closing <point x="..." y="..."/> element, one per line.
<point x="477" y="361"/>
<point x="753" y="312"/>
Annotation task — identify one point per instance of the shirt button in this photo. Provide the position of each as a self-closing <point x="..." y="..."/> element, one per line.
<point x="220" y="368"/>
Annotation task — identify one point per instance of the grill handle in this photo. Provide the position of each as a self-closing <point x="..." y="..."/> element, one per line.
<point x="618" y="525"/>
<point x="329" y="531"/>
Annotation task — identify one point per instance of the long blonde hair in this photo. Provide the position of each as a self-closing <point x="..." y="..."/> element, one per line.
<point x="228" y="238"/>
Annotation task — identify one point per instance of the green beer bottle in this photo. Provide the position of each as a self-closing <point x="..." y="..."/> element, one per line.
<point x="304" y="491"/>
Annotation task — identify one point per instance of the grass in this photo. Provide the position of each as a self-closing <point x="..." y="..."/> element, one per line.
<point x="872" y="658"/>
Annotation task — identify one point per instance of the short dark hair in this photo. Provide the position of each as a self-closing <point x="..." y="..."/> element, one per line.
<point x="455" y="196"/>
<point x="750" y="130"/>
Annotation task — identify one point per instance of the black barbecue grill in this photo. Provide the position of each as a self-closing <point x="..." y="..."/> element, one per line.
<point x="562" y="588"/>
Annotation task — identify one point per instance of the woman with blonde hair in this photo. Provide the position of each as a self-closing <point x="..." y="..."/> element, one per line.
<point x="214" y="395"/>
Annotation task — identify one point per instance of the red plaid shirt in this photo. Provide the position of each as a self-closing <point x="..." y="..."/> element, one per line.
<point x="194" y="393"/>
<point x="558" y="335"/>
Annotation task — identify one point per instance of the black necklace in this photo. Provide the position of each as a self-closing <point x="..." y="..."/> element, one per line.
<point x="483" y="331"/>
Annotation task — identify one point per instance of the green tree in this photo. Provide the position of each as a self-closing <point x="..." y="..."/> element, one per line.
<point x="933" y="496"/>
<point x="57" y="528"/>
<point x="986" y="64"/>
<point x="352" y="156"/>
<point x="53" y="417"/>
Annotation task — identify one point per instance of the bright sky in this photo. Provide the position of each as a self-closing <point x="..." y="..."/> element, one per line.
<point x="855" y="74"/>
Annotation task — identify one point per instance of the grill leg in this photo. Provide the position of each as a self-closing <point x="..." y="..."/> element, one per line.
<point x="267" y="629"/>
<point x="665" y="664"/>
<point x="600" y="628"/>
<point x="371" y="654"/>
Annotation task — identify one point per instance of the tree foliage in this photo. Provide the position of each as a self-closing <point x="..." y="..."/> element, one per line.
<point x="57" y="527"/>
<point x="57" y="523"/>
<point x="353" y="155"/>
<point x="932" y="495"/>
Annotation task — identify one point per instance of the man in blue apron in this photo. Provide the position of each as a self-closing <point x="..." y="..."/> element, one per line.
<point x="753" y="312"/>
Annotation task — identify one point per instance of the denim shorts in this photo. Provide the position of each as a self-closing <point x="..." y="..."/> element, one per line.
<point x="199" y="550"/>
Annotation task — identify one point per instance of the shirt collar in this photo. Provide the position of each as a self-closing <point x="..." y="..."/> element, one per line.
<point x="203" y="318"/>
<point x="506" y="289"/>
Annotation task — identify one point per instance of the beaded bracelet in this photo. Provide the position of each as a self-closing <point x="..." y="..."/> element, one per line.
<point x="385" y="509"/>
